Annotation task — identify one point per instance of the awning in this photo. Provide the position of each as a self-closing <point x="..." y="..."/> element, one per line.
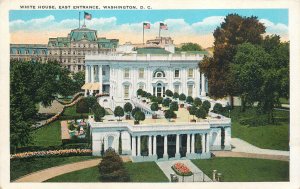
<point x="87" y="86"/>
<point x="95" y="86"/>
<point x="91" y="86"/>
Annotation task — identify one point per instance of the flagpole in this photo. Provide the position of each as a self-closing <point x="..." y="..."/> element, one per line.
<point x="143" y="33"/>
<point x="79" y="20"/>
<point x="159" y="31"/>
<point x="84" y="19"/>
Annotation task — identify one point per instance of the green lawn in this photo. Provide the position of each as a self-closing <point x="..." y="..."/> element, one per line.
<point x="71" y="111"/>
<point x="284" y="101"/>
<point x="245" y="169"/>
<point x="49" y="135"/>
<point x="23" y="167"/>
<point x="272" y="136"/>
<point x="139" y="172"/>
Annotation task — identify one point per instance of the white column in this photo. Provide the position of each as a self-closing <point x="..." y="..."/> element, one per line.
<point x="177" y="144"/>
<point x="203" y="143"/>
<point x="188" y="147"/>
<point x="154" y="145"/>
<point x="86" y="74"/>
<point x="149" y="145"/>
<point x="227" y="135"/>
<point x="139" y="146"/>
<point x="100" y="78"/>
<point x="207" y="143"/>
<point x="92" y="74"/>
<point x="193" y="143"/>
<point x="203" y="93"/>
<point x="166" y="145"/>
<point x="133" y="146"/>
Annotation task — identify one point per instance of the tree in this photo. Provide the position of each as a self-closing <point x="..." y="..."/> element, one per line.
<point x="206" y="105"/>
<point x="174" y="106"/>
<point x="169" y="114"/>
<point x="182" y="97"/>
<point x="197" y="101"/>
<point x="189" y="99"/>
<point x="32" y="83"/>
<point x="153" y="99"/>
<point x="218" y="108"/>
<point x="148" y="95"/>
<point x="127" y="108"/>
<point x="190" y="47"/>
<point x="139" y="116"/>
<point x="192" y="110"/>
<point x="233" y="31"/>
<point x="169" y="93"/>
<point x="144" y="94"/>
<point x="200" y="113"/>
<point x="91" y="101"/>
<point x="119" y="112"/>
<point x="269" y="75"/>
<point x="99" y="112"/>
<point x="112" y="169"/>
<point x="175" y="95"/>
<point x="82" y="106"/>
<point x="166" y="102"/>
<point x="79" y="80"/>
<point x="134" y="110"/>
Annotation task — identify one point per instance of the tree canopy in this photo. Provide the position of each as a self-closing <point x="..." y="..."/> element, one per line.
<point x="190" y="47"/>
<point x="233" y="31"/>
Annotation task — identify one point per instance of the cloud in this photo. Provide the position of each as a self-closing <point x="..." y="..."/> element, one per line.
<point x="272" y="28"/>
<point x="178" y="29"/>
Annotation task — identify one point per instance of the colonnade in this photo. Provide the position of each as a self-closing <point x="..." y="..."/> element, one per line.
<point x="152" y="146"/>
<point x="93" y="74"/>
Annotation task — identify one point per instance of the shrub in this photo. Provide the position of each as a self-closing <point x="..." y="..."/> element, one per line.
<point x="139" y="92"/>
<point x="182" y="97"/>
<point x="134" y="110"/>
<point x="139" y="116"/>
<point x="127" y="107"/>
<point x="169" y="93"/>
<point x="154" y="106"/>
<point x="91" y="101"/>
<point x="111" y="168"/>
<point x="189" y="99"/>
<point x="99" y="112"/>
<point x="82" y="106"/>
<point x="192" y="110"/>
<point x="153" y="99"/>
<point x="174" y="106"/>
<point x="206" y="105"/>
<point x="159" y="99"/>
<point x="148" y="95"/>
<point x="169" y="114"/>
<point x="119" y="112"/>
<point x="166" y="102"/>
<point x="175" y="95"/>
<point x="71" y="126"/>
<point x="52" y="153"/>
<point x="218" y="108"/>
<point x="201" y="113"/>
<point x="144" y="94"/>
<point x="197" y="101"/>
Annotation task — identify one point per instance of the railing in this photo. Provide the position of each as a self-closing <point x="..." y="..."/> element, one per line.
<point x="146" y="107"/>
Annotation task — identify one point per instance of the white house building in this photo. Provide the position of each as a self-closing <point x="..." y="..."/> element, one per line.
<point x="121" y="75"/>
<point x="117" y="77"/>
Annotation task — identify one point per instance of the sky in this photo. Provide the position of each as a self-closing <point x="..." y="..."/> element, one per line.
<point x="183" y="25"/>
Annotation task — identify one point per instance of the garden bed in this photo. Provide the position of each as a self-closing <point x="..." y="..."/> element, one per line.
<point x="181" y="169"/>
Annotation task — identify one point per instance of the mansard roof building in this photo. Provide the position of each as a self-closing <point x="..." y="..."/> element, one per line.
<point x="69" y="51"/>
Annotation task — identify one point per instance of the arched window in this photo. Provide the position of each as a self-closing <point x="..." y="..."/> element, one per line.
<point x="159" y="73"/>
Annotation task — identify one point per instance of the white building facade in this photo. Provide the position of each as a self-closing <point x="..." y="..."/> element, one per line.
<point x="121" y="76"/>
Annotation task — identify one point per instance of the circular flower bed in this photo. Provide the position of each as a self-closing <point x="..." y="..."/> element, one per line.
<point x="181" y="169"/>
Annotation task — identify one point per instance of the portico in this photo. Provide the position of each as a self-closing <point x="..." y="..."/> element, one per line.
<point x="157" y="142"/>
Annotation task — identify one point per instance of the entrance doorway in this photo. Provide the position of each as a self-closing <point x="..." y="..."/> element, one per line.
<point x="159" y="146"/>
<point x="182" y="149"/>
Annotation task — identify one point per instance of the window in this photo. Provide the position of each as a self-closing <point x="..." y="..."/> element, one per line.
<point x="126" y="73"/>
<point x="79" y="67"/>
<point x="141" y="73"/>
<point x="126" y="91"/>
<point x="190" y="90"/>
<point x="103" y="72"/>
<point x="191" y="73"/>
<point x="176" y="88"/>
<point x="176" y="73"/>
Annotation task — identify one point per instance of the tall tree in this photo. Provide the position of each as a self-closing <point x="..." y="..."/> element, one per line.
<point x="233" y="31"/>
<point x="31" y="83"/>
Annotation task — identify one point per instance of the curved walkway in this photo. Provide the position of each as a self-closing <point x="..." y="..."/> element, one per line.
<point x="49" y="173"/>
<point x="250" y="155"/>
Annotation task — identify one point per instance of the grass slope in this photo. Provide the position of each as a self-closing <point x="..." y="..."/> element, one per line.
<point x="139" y="172"/>
<point x="271" y="136"/>
<point x="23" y="167"/>
<point x="246" y="169"/>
